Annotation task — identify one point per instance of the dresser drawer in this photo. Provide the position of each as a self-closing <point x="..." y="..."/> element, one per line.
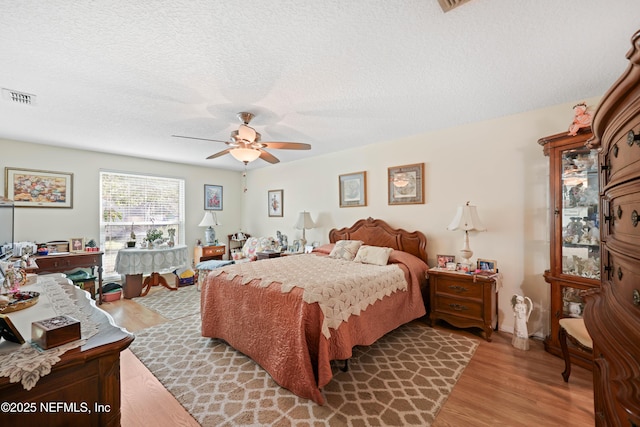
<point x="622" y="155"/>
<point x="623" y="274"/>
<point x="213" y="250"/>
<point x="459" y="307"/>
<point x="465" y="289"/>
<point x="621" y="212"/>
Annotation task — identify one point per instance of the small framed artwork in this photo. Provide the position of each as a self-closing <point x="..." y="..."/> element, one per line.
<point x="487" y="265"/>
<point x="76" y="244"/>
<point x="406" y="184"/>
<point x="442" y="260"/>
<point x="212" y="197"/>
<point x="275" y="202"/>
<point x="353" y="189"/>
<point x="31" y="188"/>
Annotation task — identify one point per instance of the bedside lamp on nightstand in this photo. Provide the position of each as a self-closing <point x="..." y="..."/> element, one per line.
<point x="209" y="220"/>
<point x="466" y="219"/>
<point x="304" y="222"/>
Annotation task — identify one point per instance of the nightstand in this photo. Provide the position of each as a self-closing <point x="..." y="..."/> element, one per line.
<point x="205" y="253"/>
<point x="464" y="300"/>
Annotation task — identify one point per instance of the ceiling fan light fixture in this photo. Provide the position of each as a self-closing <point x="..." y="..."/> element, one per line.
<point x="245" y="155"/>
<point x="246" y="133"/>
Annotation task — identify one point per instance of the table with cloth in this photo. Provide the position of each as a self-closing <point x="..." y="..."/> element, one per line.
<point x="134" y="262"/>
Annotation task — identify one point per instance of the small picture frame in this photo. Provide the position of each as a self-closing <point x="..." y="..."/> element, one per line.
<point x="406" y="184"/>
<point x="442" y="260"/>
<point x="76" y="244"/>
<point x="487" y="265"/>
<point x="275" y="203"/>
<point x="353" y="189"/>
<point x="8" y="331"/>
<point x="212" y="197"/>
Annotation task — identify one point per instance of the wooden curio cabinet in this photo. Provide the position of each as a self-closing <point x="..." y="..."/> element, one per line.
<point x="575" y="231"/>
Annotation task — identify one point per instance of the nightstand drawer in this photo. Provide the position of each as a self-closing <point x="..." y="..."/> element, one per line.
<point x="459" y="307"/>
<point x="213" y="250"/>
<point x="466" y="289"/>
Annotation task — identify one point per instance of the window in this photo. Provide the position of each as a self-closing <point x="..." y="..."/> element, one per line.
<point x="132" y="203"/>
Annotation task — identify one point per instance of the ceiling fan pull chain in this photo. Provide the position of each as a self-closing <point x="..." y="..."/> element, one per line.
<point x="244" y="179"/>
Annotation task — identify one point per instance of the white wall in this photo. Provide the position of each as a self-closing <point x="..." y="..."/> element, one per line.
<point x="497" y="165"/>
<point x="42" y="225"/>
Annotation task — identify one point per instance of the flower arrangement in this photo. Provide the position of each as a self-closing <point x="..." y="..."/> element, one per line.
<point x="154" y="234"/>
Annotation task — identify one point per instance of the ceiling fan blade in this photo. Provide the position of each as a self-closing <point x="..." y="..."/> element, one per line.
<point x="268" y="157"/>
<point x="200" y="139"/>
<point x="221" y="153"/>
<point x="287" y="145"/>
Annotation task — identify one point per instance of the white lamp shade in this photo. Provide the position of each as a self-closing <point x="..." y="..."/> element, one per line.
<point x="209" y="220"/>
<point x="466" y="219"/>
<point x="245" y="154"/>
<point x="304" y="221"/>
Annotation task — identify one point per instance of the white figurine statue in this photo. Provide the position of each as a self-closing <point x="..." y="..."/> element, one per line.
<point x="521" y="315"/>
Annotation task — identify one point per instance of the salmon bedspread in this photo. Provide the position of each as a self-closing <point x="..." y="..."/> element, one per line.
<point x="270" y="322"/>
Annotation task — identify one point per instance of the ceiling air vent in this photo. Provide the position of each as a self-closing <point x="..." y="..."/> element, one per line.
<point x="18" y="97"/>
<point x="448" y="5"/>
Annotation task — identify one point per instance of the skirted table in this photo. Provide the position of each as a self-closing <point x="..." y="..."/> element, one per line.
<point x="133" y="263"/>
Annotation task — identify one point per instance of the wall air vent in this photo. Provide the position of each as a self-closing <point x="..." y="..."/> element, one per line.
<point x="18" y="97"/>
<point x="448" y="5"/>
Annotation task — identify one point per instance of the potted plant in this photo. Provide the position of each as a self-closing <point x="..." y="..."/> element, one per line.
<point x="131" y="243"/>
<point x="153" y="235"/>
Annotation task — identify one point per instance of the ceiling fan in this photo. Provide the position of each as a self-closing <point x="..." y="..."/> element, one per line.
<point x="245" y="143"/>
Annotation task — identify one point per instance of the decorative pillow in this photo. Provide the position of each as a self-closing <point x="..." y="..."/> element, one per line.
<point x="258" y="244"/>
<point x="345" y="249"/>
<point x="373" y="255"/>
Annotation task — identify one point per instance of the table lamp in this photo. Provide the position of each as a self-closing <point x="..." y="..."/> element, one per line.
<point x="209" y="220"/>
<point x="304" y="223"/>
<point x="466" y="219"/>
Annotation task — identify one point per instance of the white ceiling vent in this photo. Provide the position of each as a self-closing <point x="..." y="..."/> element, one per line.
<point x="448" y="5"/>
<point x="18" y="97"/>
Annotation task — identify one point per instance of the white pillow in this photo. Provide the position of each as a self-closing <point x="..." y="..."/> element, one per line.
<point x="345" y="249"/>
<point x="373" y="255"/>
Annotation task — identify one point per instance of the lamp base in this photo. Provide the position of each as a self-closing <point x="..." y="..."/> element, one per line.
<point x="210" y="236"/>
<point x="466" y="253"/>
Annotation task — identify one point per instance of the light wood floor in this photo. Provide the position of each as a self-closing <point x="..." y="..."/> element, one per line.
<point x="501" y="386"/>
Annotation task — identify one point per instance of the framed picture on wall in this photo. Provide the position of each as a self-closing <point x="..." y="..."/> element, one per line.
<point x="353" y="189"/>
<point x="212" y="197"/>
<point x="275" y="202"/>
<point x="38" y="189"/>
<point x="406" y="184"/>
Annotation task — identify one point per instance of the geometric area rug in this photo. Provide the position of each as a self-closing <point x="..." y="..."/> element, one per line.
<point x="401" y="380"/>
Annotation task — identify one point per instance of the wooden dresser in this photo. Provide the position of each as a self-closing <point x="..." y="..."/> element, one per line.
<point x="612" y="313"/>
<point x="86" y="379"/>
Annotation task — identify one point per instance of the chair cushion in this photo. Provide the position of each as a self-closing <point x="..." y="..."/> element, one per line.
<point x="212" y="264"/>
<point x="576" y="328"/>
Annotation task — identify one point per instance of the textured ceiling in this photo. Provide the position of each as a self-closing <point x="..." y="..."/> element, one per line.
<point x="122" y="76"/>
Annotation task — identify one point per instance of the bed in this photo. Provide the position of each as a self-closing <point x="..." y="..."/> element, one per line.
<point x="261" y="309"/>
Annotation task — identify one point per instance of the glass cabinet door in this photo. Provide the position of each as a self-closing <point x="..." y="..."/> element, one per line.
<point x="580" y="220"/>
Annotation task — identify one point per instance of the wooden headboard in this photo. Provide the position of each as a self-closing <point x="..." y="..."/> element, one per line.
<point x="376" y="232"/>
